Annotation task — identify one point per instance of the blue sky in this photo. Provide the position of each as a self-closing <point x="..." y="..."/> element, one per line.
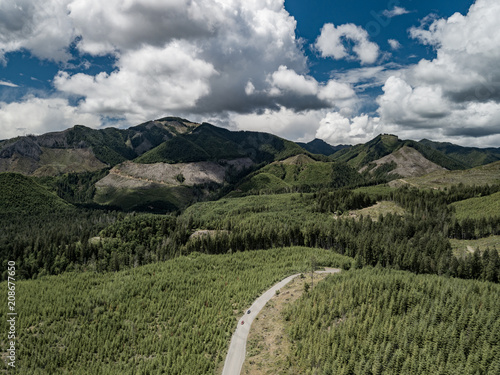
<point x="342" y="71"/>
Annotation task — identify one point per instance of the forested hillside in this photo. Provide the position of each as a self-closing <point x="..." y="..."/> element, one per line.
<point x="174" y="317"/>
<point x="135" y="268"/>
<point x="376" y="321"/>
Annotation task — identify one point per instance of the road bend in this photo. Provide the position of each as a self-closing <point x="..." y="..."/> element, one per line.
<point x="237" y="349"/>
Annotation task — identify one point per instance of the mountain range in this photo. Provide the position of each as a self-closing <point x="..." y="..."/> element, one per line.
<point x="169" y="163"/>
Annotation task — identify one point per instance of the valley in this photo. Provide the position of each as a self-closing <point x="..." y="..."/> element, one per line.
<point x="137" y="250"/>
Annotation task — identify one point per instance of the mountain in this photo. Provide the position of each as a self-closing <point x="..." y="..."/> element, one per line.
<point x="82" y="149"/>
<point x="299" y="172"/>
<point x="211" y="143"/>
<point x="488" y="174"/>
<point x="318" y="146"/>
<point x="167" y="164"/>
<point x="188" y="167"/>
<point x="405" y="162"/>
<point x="362" y="155"/>
<point x="468" y="156"/>
<point x="163" y="187"/>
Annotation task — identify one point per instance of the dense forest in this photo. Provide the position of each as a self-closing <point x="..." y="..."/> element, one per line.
<point x="173" y="317"/>
<point x="160" y="293"/>
<point x="380" y="321"/>
<point x="102" y="240"/>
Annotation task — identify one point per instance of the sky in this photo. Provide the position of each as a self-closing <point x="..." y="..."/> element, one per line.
<point x="342" y="71"/>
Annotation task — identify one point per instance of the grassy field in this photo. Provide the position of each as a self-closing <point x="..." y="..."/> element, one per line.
<point x="486" y="174"/>
<point x="375" y="191"/>
<point x="463" y="247"/>
<point x="380" y="208"/>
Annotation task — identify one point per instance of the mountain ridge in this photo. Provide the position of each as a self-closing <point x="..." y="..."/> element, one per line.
<point x="172" y="162"/>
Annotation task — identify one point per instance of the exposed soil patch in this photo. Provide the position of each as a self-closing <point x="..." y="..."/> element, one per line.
<point x="52" y="162"/>
<point x="300" y="159"/>
<point x="206" y="232"/>
<point x="134" y="175"/>
<point x="410" y="163"/>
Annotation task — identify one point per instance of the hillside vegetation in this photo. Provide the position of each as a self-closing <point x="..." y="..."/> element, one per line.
<point x="469" y="156"/>
<point x="22" y="195"/>
<point x="385" y="144"/>
<point x="298" y="173"/>
<point x="80" y="148"/>
<point x="407" y="162"/>
<point x="210" y="143"/>
<point x="478" y="207"/>
<point x="144" y="268"/>
<point x="375" y="321"/>
<point x="482" y="175"/>
<point x="175" y="317"/>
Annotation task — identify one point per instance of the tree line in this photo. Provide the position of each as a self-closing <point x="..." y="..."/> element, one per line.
<point x="100" y="240"/>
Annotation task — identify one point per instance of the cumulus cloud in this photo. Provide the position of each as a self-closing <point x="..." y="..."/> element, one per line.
<point x="336" y="92"/>
<point x="240" y="62"/>
<point x="41" y="115"/>
<point x="130" y="24"/>
<point x="146" y="82"/>
<point x="331" y="43"/>
<point x="285" y="81"/>
<point x="458" y="92"/>
<point x="468" y="51"/>
<point x="403" y="104"/>
<point x="283" y="122"/>
<point x="336" y="129"/>
<point x="197" y="57"/>
<point x="43" y="28"/>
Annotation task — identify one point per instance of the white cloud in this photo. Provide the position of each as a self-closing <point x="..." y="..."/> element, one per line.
<point x="249" y="88"/>
<point x="242" y="62"/>
<point x="283" y="122"/>
<point x="332" y="92"/>
<point x="394" y="44"/>
<point x="225" y="59"/>
<point x="8" y="84"/>
<point x="336" y="129"/>
<point x="131" y="24"/>
<point x="41" y="27"/>
<point x="394" y="12"/>
<point x="285" y="79"/>
<point x="335" y="91"/>
<point x="36" y="116"/>
<point x="331" y="43"/>
<point x="403" y="104"/>
<point x="147" y="81"/>
<point x="457" y="94"/>
<point x="468" y="51"/>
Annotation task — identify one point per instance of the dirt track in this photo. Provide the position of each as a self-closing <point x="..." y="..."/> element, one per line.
<point x="237" y="349"/>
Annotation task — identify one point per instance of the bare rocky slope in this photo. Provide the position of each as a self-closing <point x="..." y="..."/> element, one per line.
<point x="133" y="175"/>
<point x="409" y="163"/>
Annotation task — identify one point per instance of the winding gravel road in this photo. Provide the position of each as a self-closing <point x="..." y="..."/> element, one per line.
<point x="237" y="349"/>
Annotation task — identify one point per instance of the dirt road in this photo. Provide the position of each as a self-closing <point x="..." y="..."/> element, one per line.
<point x="237" y="349"/>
